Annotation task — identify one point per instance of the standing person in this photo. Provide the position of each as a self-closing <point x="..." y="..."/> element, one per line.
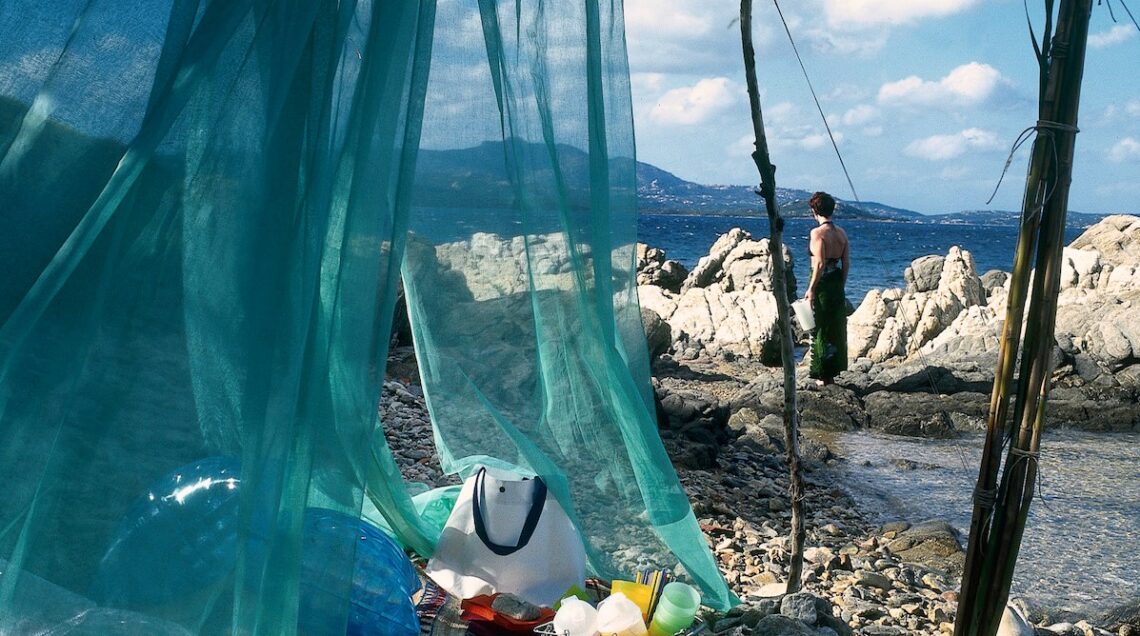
<point x="830" y="264"/>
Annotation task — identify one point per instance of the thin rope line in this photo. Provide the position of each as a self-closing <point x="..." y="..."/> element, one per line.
<point x="816" y="99"/>
<point x="1110" y="12"/>
<point x="882" y="260"/>
<point x="1129" y="12"/>
<point x="1021" y="139"/>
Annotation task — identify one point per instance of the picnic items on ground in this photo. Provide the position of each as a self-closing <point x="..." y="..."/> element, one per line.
<point x="640" y="593"/>
<point x="501" y="613"/>
<point x="619" y="616"/>
<point x="507" y="533"/>
<point x="676" y="609"/>
<point x="576" y="617"/>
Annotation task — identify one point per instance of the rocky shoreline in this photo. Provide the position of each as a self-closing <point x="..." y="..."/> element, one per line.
<point x="924" y="360"/>
<point x="898" y="578"/>
<point x="923" y="357"/>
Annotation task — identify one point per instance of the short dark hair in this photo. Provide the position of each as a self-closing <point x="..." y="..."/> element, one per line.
<point x="822" y="204"/>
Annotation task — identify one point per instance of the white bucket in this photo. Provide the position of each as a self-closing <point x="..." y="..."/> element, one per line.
<point x="804" y="315"/>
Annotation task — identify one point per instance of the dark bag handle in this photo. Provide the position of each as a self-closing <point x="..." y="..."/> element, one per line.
<point x="538" y="500"/>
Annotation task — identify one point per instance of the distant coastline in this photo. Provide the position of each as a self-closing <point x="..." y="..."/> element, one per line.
<point x="661" y="192"/>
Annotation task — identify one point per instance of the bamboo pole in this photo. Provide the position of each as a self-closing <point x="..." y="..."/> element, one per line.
<point x="779" y="289"/>
<point x="994" y="546"/>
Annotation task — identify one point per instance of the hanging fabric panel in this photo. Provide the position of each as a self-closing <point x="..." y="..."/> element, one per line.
<point x="520" y="277"/>
<point x="202" y="209"/>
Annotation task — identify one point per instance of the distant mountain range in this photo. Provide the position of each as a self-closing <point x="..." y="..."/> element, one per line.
<point x="661" y="192"/>
<point x="478" y="176"/>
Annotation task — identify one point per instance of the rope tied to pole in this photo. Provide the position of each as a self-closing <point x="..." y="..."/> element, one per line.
<point x="1021" y="452"/>
<point x="984" y="498"/>
<point x="1054" y="125"/>
<point x="1042" y="125"/>
<point x="1021" y="455"/>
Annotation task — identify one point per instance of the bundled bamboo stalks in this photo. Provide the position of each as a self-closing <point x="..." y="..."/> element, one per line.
<point x="1001" y="508"/>
<point x="779" y="288"/>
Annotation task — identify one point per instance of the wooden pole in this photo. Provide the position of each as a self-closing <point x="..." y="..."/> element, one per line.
<point x="780" y="290"/>
<point x="994" y="545"/>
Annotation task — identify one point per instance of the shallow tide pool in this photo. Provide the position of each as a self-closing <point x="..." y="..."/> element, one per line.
<point x="1081" y="550"/>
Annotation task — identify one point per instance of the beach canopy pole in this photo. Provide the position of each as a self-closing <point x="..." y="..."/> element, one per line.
<point x="1000" y="511"/>
<point x="779" y="289"/>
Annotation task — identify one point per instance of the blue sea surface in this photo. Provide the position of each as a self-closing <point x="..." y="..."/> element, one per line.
<point x="880" y="250"/>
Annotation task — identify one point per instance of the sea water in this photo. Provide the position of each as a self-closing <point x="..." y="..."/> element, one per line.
<point x="1079" y="553"/>
<point x="880" y="250"/>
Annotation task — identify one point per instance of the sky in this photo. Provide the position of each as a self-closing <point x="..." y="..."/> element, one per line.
<point x="925" y="98"/>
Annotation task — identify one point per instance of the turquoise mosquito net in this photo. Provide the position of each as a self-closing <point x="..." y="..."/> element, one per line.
<point x="207" y="210"/>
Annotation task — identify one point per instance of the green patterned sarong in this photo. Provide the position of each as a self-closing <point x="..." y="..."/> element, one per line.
<point x="829" y="340"/>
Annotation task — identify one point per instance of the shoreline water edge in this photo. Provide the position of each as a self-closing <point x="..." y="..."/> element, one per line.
<point x="922" y="363"/>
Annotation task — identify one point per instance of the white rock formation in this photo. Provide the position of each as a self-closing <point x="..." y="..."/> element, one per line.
<point x="726" y="305"/>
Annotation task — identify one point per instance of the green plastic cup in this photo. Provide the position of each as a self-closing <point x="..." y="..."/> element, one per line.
<point x="676" y="610"/>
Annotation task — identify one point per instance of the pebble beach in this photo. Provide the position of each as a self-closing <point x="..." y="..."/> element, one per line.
<point x="859" y="578"/>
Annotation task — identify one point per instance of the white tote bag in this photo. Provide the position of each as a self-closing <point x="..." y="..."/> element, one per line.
<point x="506" y="534"/>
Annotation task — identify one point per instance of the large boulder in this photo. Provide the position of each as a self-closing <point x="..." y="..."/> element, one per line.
<point x="1116" y="238"/>
<point x="658" y="334"/>
<point x="934" y="544"/>
<point x="653" y="268"/>
<point x="725" y="307"/>
<point x="897" y="323"/>
<point x="924" y="273"/>
<point x="924" y="414"/>
<point x="1102" y="325"/>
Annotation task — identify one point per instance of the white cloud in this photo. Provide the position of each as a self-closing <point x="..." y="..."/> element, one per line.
<point x="1124" y="150"/>
<point x="682" y="36"/>
<point x="781" y="112"/>
<point x="944" y="147"/>
<point x="1117" y="34"/>
<point x="818" y="140"/>
<point x="646" y="82"/>
<point x="742" y="147"/>
<point x="1133" y="107"/>
<point x="800" y="138"/>
<point x="650" y="18"/>
<point x="972" y="83"/>
<point x="860" y="114"/>
<point x="873" y="131"/>
<point x="696" y="104"/>
<point x="870" y="12"/>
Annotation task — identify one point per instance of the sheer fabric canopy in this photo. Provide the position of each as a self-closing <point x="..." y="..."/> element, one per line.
<point x="206" y="207"/>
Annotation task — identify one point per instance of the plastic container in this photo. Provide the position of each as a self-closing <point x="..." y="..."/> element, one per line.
<point x="619" y="616"/>
<point x="639" y="593"/>
<point x="804" y="314"/>
<point x="676" y="610"/>
<point x="576" y="617"/>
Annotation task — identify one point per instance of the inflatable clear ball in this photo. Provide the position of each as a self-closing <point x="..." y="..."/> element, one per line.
<point x="381" y="582"/>
<point x="179" y="542"/>
<point x="178" y="539"/>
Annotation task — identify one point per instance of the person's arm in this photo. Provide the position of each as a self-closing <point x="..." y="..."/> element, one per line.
<point x="846" y="259"/>
<point x="817" y="261"/>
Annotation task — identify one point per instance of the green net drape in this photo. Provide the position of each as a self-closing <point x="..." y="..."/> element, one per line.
<point x="520" y="276"/>
<point x="204" y="207"/>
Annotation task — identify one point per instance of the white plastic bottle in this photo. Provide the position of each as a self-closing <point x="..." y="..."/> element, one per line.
<point x="619" y="616"/>
<point x="576" y="617"/>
